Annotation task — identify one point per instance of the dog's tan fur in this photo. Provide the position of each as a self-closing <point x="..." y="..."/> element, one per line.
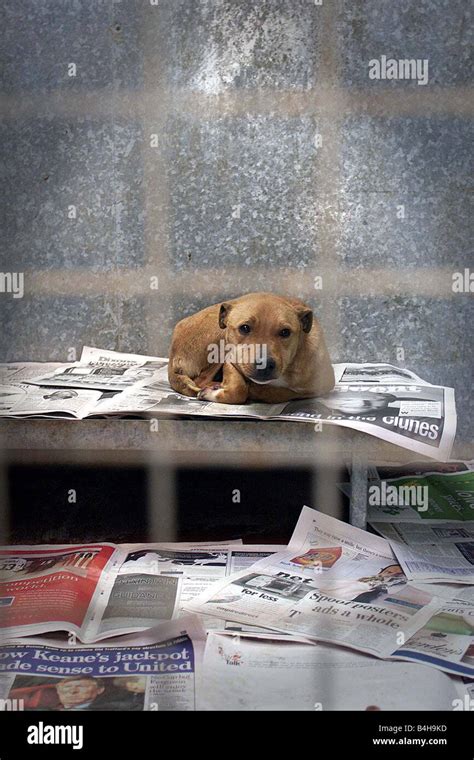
<point x="302" y="365"/>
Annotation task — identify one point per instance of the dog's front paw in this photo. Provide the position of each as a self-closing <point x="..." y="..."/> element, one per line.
<point x="211" y="392"/>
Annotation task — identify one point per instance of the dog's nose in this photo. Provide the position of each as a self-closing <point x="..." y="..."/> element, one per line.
<point x="267" y="372"/>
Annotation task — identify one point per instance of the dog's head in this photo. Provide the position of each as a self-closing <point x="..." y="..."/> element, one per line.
<point x="265" y="332"/>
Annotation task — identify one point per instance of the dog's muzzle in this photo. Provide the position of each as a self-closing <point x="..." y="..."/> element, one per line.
<point x="264" y="374"/>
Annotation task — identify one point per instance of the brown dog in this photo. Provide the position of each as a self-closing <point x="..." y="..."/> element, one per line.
<point x="260" y="347"/>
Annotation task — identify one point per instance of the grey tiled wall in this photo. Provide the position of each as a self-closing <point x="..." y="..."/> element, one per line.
<point x="238" y="194"/>
<point x="440" y="30"/>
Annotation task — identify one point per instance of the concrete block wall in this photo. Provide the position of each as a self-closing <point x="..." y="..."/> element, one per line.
<point x="233" y="145"/>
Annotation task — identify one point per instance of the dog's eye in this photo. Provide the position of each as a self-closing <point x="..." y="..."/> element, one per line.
<point x="285" y="333"/>
<point x="244" y="329"/>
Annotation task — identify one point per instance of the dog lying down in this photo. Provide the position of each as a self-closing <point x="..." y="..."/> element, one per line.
<point x="260" y="347"/>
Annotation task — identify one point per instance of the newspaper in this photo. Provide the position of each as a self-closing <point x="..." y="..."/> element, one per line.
<point x="156" y="670"/>
<point x="19" y="398"/>
<point x="449" y="592"/>
<point x="375" y="373"/>
<point x="446" y="641"/>
<point x="56" y="588"/>
<point x="414" y="415"/>
<point x="260" y="674"/>
<point x="428" y="498"/>
<point x="241" y="558"/>
<point x="103" y="370"/>
<point x="24" y="372"/>
<point x="388" y="471"/>
<point x="102" y="590"/>
<point x="335" y="583"/>
<point x="170" y="576"/>
<point x="394" y="491"/>
<point x="414" y="534"/>
<point x="388" y="402"/>
<point x="451" y="560"/>
<point x="382" y="400"/>
<point x="429" y="521"/>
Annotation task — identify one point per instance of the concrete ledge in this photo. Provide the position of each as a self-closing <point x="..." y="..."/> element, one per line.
<point x="250" y="443"/>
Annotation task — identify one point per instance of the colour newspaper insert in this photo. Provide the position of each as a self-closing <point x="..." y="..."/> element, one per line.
<point x="428" y="498"/>
<point x="53" y="588"/>
<point x="156" y="670"/>
<point x="385" y="401"/>
<point x="429" y="521"/>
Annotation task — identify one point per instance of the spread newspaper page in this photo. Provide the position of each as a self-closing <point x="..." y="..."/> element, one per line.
<point x="100" y="590"/>
<point x="334" y="583"/>
<point x="261" y="673"/>
<point x="383" y="400"/>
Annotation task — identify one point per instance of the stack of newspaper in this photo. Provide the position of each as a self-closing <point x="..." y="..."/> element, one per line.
<point x="382" y="400"/>
<point x="332" y="619"/>
<point x="427" y="514"/>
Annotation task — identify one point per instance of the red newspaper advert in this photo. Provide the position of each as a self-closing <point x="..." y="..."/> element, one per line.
<point x="56" y="588"/>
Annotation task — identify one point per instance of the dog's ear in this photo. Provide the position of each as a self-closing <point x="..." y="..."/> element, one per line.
<point x="305" y="316"/>
<point x="223" y="312"/>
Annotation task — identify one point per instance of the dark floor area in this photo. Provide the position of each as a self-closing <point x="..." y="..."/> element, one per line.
<point x="111" y="504"/>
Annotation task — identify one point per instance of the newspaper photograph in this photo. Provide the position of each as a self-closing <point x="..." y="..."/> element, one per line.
<point x="335" y="583"/>
<point x="385" y="401"/>
<point x="156" y="670"/>
<point x="318" y="677"/>
<point x="446" y="641"/>
<point x="56" y="588"/>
